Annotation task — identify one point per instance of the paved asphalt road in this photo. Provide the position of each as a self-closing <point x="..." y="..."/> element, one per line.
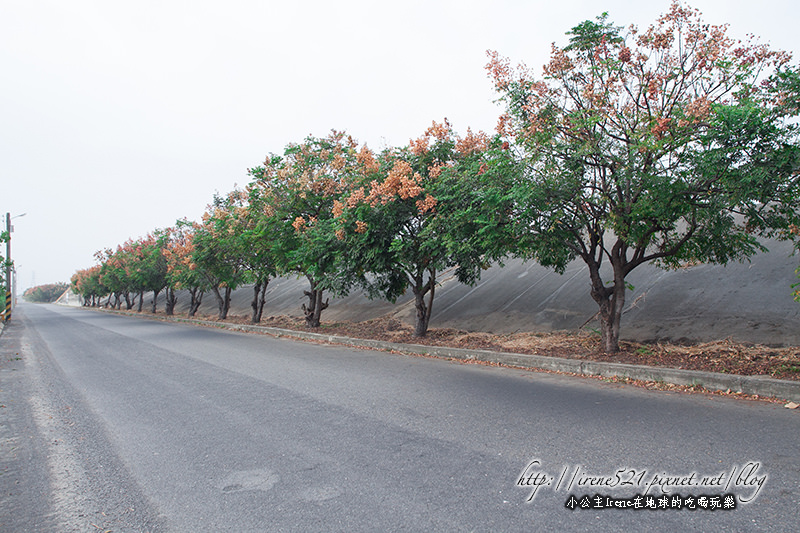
<point x="116" y="423"/>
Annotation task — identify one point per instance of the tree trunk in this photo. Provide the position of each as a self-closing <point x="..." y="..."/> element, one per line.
<point x="611" y="301"/>
<point x="424" y="310"/>
<point x="141" y="300"/>
<point x="315" y="306"/>
<point x="423" y="317"/>
<point x="170" y="301"/>
<point x="262" y="299"/>
<point x="155" y="300"/>
<point x="223" y="301"/>
<point x="197" y="299"/>
<point x="259" y="297"/>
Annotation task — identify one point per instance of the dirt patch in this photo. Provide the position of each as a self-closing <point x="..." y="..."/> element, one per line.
<point x="721" y="356"/>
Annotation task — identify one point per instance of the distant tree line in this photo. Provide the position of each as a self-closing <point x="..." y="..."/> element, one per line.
<point x="45" y="293"/>
<point x="672" y="145"/>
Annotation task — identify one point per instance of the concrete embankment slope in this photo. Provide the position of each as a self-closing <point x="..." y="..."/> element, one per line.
<point x="747" y="302"/>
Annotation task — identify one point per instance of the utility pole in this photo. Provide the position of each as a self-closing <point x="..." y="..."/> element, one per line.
<point x="7" y="312"/>
<point x="9" y="268"/>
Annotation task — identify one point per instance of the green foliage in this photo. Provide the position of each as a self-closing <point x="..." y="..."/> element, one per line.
<point x="4" y="237"/>
<point x="219" y="252"/>
<point x="588" y="34"/>
<point x="182" y="272"/>
<point x="432" y="206"/>
<point x="87" y="284"/>
<point x="45" y="293"/>
<point x="675" y="144"/>
<point x="671" y="145"/>
<point x="294" y="195"/>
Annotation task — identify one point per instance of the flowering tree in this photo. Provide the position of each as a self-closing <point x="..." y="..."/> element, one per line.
<point x="218" y="252"/>
<point x="115" y="276"/>
<point x="241" y="228"/>
<point x="420" y="210"/>
<point x="294" y="195"/>
<point x="147" y="266"/>
<point x="182" y="271"/>
<point x="668" y="145"/>
<point x="87" y="284"/>
<point x="135" y="267"/>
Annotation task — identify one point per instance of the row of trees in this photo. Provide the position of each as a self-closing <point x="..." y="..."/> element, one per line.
<point x="335" y="213"/>
<point x="671" y="145"/>
<point x="45" y="293"/>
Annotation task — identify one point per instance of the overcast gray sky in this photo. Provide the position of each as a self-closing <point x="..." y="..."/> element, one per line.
<point x="117" y="118"/>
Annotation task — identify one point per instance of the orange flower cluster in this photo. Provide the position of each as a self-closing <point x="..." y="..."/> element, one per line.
<point x="503" y="127"/>
<point x="401" y="181"/>
<point x="356" y="198"/>
<point x="436" y="131"/>
<point x="299" y="224"/>
<point x="338" y="209"/>
<point x="324" y="185"/>
<point x="697" y="111"/>
<point x="366" y="161"/>
<point x="560" y="63"/>
<point x="499" y="70"/>
<point x="338" y="162"/>
<point x="419" y="146"/>
<point x="178" y="251"/>
<point x="435" y="170"/>
<point x="426" y="205"/>
<point x="439" y="131"/>
<point x="652" y="88"/>
<point x="661" y="127"/>
<point x="473" y="142"/>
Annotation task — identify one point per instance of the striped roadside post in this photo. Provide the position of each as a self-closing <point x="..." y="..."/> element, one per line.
<point x="9" y="268"/>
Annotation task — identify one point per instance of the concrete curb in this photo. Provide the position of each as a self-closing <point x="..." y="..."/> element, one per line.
<point x="753" y="385"/>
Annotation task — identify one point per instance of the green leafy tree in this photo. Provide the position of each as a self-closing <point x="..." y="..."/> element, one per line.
<point x="669" y="145"/>
<point x="423" y="209"/>
<point x="115" y="277"/>
<point x="87" y="284"/>
<point x="182" y="271"/>
<point x="295" y="194"/>
<point x="152" y="266"/>
<point x="145" y="269"/>
<point x="219" y="252"/>
<point x="238" y="229"/>
<point x="259" y="257"/>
